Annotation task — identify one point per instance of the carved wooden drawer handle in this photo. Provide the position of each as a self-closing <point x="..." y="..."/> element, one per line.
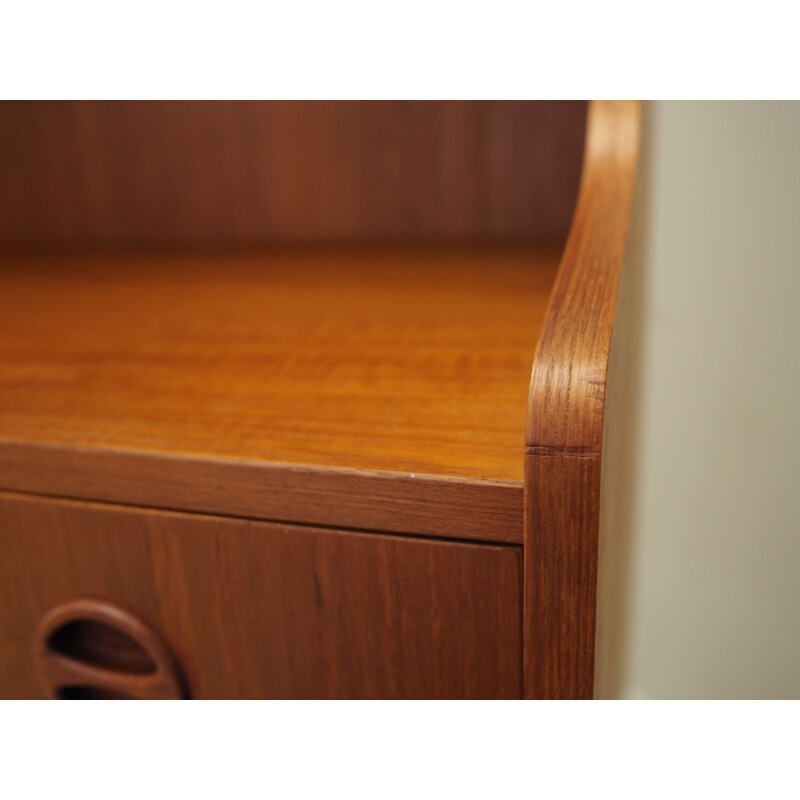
<point x="92" y="650"/>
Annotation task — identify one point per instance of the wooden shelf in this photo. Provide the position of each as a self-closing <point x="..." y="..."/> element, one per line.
<point x="378" y="359"/>
<point x="386" y="359"/>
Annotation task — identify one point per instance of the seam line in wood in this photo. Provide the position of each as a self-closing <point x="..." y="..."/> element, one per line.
<point x="564" y="451"/>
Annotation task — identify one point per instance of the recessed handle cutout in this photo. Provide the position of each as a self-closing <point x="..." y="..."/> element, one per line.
<point x="90" y="693"/>
<point x="100" y="645"/>
<point x="89" y="649"/>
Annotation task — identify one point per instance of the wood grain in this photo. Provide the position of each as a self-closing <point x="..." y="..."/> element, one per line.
<point x="457" y="508"/>
<point x="259" y="610"/>
<point x="378" y="388"/>
<point x="205" y="174"/>
<point x="566" y="413"/>
<point x="391" y="360"/>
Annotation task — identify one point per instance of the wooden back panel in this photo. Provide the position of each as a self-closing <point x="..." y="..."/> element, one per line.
<point x="215" y="174"/>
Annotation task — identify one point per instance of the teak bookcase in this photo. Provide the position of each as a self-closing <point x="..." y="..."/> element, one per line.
<point x="306" y="400"/>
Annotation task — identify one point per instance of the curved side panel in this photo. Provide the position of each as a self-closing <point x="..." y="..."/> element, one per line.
<point x="566" y="408"/>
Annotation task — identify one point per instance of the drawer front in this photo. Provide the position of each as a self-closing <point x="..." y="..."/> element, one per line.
<point x="252" y="609"/>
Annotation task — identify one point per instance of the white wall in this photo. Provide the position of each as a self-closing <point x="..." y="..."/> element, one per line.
<point x="714" y="596"/>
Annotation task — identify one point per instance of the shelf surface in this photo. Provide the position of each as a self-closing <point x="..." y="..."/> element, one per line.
<point x="390" y="359"/>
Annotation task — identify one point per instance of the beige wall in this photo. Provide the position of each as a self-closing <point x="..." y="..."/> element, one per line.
<point x="714" y="597"/>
